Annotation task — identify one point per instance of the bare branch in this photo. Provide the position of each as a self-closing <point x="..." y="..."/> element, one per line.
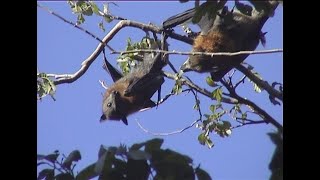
<point x="69" y="78"/>
<point x="264" y="84"/>
<point x="181" y="130"/>
<point x="73" y="24"/>
<point x="263" y="114"/>
<point x="103" y="84"/>
<point x="169" y="95"/>
<point x="200" y="53"/>
<point x="240" y="81"/>
<point x="199" y="89"/>
<point x="167" y="134"/>
<point x="251" y="122"/>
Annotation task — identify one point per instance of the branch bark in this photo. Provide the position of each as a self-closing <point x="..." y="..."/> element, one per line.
<point x="264" y="84"/>
<point x="70" y="78"/>
<point x="264" y="115"/>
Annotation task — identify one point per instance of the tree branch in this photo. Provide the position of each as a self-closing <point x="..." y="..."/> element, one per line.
<point x="248" y="123"/>
<point x="263" y="114"/>
<point x="170" y="133"/>
<point x="201" y="53"/>
<point x="199" y="89"/>
<point x="69" y="78"/>
<point x="264" y="84"/>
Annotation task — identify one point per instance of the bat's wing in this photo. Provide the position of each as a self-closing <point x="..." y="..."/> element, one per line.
<point x="114" y="73"/>
<point x="151" y="80"/>
<point x="179" y="18"/>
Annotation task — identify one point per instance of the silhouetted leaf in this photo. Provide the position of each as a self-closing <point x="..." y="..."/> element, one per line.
<point x="138" y="169"/>
<point x="138" y="155"/>
<point x="87" y="173"/>
<point x="64" y="176"/>
<point x="40" y="157"/>
<point x="202" y="174"/>
<point x="46" y="173"/>
<point x="73" y="156"/>
<point x="273" y="100"/>
<point x="153" y="144"/>
<point x="52" y="157"/>
<point x="137" y="146"/>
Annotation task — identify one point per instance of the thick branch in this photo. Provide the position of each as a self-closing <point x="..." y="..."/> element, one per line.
<point x="199" y="89"/>
<point x="267" y="118"/>
<point x="264" y="84"/>
<point x="86" y="63"/>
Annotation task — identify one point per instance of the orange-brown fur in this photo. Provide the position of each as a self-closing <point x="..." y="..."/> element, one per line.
<point x="214" y="41"/>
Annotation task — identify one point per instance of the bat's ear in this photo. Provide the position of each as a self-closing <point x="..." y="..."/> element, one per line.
<point x="125" y="121"/>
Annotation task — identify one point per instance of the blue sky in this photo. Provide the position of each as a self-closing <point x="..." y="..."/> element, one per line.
<point x="72" y="122"/>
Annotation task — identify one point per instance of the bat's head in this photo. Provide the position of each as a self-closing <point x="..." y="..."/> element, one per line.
<point x="110" y="107"/>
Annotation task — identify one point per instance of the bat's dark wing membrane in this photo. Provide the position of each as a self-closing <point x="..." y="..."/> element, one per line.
<point x="152" y="79"/>
<point x="114" y="73"/>
<point x="179" y="18"/>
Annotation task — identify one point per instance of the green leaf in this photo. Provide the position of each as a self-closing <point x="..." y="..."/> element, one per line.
<point x="244" y="116"/>
<point x="87" y="173"/>
<point x="88" y="11"/>
<point x="209" y="143"/>
<point x="213" y="108"/>
<point x="101" y="26"/>
<point x="217" y="94"/>
<point x="202" y="174"/>
<point x="210" y="82"/>
<point x="226" y="125"/>
<point x="256" y="88"/>
<point x="177" y="88"/>
<point x="202" y="138"/>
<point x="46" y="173"/>
<point x="94" y="8"/>
<point x="138" y="155"/>
<point x="80" y="19"/>
<point x="73" y="156"/>
<point x="107" y="18"/>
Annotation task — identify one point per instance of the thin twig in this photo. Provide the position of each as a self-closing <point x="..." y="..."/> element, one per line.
<point x="201" y="53"/>
<point x="181" y="130"/>
<point x="240" y="81"/>
<point x="103" y="84"/>
<point x="167" y="134"/>
<point x="73" y="24"/>
<point x="243" y="124"/>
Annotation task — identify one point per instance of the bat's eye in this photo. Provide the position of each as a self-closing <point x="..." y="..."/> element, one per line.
<point x="109" y="104"/>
